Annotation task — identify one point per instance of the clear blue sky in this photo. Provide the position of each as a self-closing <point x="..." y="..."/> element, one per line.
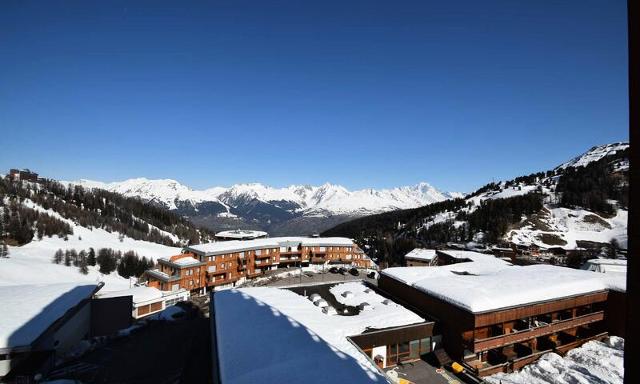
<point x="364" y="94"/>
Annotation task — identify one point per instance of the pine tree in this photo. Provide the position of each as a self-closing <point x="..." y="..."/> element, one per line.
<point x="57" y="257"/>
<point x="74" y="257"/>
<point x="91" y="257"/>
<point x="107" y="260"/>
<point x="82" y="265"/>
<point x="67" y="258"/>
<point x="4" y="252"/>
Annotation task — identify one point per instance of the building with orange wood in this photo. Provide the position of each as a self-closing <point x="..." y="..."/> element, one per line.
<point x="182" y="271"/>
<point x="227" y="263"/>
<point x="496" y="317"/>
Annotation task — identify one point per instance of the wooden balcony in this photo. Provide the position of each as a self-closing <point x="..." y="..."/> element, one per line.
<point x="317" y="260"/>
<point x="481" y="345"/>
<point x="217" y="272"/>
<point x="284" y="261"/>
<point x="263" y="256"/>
<point x="263" y="264"/>
<point x="221" y="281"/>
<point x="519" y="363"/>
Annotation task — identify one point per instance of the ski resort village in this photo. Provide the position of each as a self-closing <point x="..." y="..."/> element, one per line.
<point x="521" y="281"/>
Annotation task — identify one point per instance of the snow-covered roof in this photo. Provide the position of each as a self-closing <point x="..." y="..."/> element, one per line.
<point x="187" y="260"/>
<point x="28" y="310"/>
<point x="461" y="255"/>
<point x="241" y="234"/>
<point x="298" y="342"/>
<point x="421" y="254"/>
<point x="161" y="275"/>
<point x="140" y="294"/>
<point x="222" y="247"/>
<point x="484" y="286"/>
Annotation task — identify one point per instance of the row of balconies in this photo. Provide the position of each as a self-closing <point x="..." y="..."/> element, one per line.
<point x="527" y="334"/>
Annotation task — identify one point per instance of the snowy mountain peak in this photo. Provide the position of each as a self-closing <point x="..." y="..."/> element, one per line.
<point x="326" y="199"/>
<point x="594" y="154"/>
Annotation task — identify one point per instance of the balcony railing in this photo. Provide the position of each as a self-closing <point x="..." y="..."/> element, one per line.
<point x="527" y="334"/>
<point x="517" y="364"/>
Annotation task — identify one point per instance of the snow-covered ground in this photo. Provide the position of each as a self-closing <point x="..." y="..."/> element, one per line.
<point x="594" y="154"/>
<point x="31" y="263"/>
<point x="571" y="225"/>
<point x="593" y="362"/>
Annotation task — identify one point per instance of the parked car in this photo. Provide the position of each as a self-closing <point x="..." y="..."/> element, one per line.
<point x="371" y="275"/>
<point x="354" y="271"/>
<point x="342" y="270"/>
<point x="333" y="270"/>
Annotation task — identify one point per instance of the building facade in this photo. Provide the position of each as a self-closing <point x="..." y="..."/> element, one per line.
<point x="182" y="271"/>
<point x="22" y="174"/>
<point x="227" y="263"/>
<point x="497" y="318"/>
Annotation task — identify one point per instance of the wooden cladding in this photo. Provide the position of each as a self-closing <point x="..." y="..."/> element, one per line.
<point x="500" y="341"/>
<point x="394" y="335"/>
<point x="501" y="316"/>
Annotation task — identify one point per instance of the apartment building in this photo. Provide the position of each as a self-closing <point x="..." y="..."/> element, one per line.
<point x="182" y="271"/>
<point x="495" y="317"/>
<point x="227" y="263"/>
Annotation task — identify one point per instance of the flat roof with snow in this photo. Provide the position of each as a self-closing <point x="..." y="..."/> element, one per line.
<point x="240" y="234"/>
<point x="29" y="310"/>
<point x="185" y="261"/>
<point x="465" y="255"/>
<point x="140" y="294"/>
<point x="421" y="254"/>
<point x="222" y="247"/>
<point x="274" y="335"/>
<point x="489" y="285"/>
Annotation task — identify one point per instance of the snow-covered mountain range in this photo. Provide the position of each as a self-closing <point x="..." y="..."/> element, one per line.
<point x="263" y="207"/>
<point x="325" y="199"/>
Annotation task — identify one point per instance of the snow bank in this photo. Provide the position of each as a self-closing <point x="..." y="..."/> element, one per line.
<point x="30" y="309"/>
<point x="593" y="362"/>
<point x="273" y="335"/>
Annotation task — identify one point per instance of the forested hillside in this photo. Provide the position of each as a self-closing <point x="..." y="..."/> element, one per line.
<point x="35" y="210"/>
<point x="578" y="203"/>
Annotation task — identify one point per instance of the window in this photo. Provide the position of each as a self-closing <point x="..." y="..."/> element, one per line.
<point x="426" y="344"/>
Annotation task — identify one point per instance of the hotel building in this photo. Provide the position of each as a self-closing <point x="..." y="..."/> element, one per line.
<point x="227" y="263"/>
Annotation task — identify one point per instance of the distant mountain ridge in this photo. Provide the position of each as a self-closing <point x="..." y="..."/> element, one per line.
<point x="254" y="205"/>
